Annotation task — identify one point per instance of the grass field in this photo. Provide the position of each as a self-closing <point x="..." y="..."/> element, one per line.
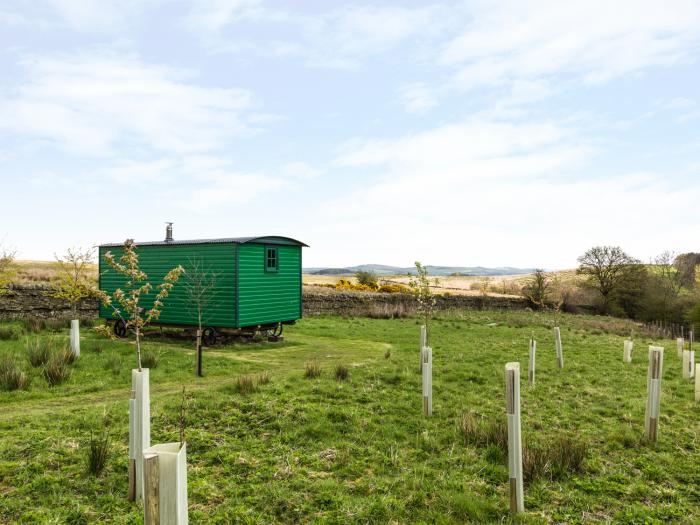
<point x="321" y="450"/>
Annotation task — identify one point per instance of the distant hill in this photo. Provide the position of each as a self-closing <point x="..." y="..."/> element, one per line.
<point x="441" y="271"/>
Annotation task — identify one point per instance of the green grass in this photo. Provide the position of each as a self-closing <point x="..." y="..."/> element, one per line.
<point x="295" y="450"/>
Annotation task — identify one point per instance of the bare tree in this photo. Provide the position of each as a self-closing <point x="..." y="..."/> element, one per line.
<point x="201" y="290"/>
<point x="606" y="268"/>
<point x="668" y="273"/>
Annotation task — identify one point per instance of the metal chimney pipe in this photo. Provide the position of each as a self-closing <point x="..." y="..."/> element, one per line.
<point x="169" y="232"/>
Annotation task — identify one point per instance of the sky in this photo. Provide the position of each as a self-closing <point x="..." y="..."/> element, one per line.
<point x="511" y="133"/>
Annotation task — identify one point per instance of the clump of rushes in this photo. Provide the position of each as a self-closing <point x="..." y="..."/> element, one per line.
<point x="263" y="378"/>
<point x="313" y="370"/>
<point x="341" y="372"/>
<point x="150" y="359"/>
<point x="93" y="346"/>
<point x="113" y="364"/>
<point x="39" y="351"/>
<point x="57" y="370"/>
<point x="244" y="385"/>
<point x="65" y="355"/>
<point x="483" y="434"/>
<point x="9" y="333"/>
<point x="33" y="324"/>
<point x="568" y="454"/>
<point x="536" y="462"/>
<point x="12" y="376"/>
<point x="56" y="325"/>
<point x="98" y="453"/>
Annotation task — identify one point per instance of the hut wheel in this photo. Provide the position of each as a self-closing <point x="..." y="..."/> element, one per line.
<point x="209" y="336"/>
<point x="119" y="328"/>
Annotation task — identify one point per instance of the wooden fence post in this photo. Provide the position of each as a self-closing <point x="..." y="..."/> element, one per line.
<point x="558" y="347"/>
<point x="423" y="344"/>
<point x="75" y="337"/>
<point x="142" y="423"/>
<point x="515" y="451"/>
<point x="654" y="375"/>
<point x="627" y="354"/>
<point x="531" y="363"/>
<point x="427" y="381"/>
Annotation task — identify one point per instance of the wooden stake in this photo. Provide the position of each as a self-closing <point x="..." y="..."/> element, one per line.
<point x="558" y="347"/>
<point x="75" y="337"/>
<point x="531" y="363"/>
<point x="151" y="502"/>
<point x="654" y="375"/>
<point x="142" y="423"/>
<point x="131" y="493"/>
<point x="427" y="381"/>
<point x="627" y="353"/>
<point x="199" y="353"/>
<point x="171" y="505"/>
<point x="423" y="344"/>
<point x="515" y="452"/>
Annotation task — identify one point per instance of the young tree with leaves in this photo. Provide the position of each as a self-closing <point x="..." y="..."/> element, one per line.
<point x="127" y="307"/>
<point x="73" y="281"/>
<point x="420" y="286"/>
<point x="73" y="284"/>
<point x="7" y="268"/>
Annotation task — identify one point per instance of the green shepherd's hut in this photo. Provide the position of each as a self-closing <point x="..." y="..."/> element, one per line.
<point x="257" y="283"/>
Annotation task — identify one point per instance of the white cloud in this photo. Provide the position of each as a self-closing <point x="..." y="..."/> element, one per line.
<point x="678" y="103"/>
<point x="201" y="183"/>
<point x="593" y="41"/>
<point x="418" y="97"/>
<point x="493" y="193"/>
<point x="92" y="104"/>
<point x="339" y="38"/>
<point x="211" y="16"/>
<point x="300" y="170"/>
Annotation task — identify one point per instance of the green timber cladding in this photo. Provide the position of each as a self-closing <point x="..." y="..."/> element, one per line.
<point x="258" y="279"/>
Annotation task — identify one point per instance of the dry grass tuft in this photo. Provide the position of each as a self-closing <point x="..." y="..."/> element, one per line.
<point x="98" y="453"/>
<point x="312" y="370"/>
<point x="244" y="385"/>
<point x="12" y="376"/>
<point x="341" y="372"/>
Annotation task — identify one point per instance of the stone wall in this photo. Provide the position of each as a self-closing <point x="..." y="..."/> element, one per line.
<point x="21" y="301"/>
<point x="327" y="301"/>
<point x="36" y="300"/>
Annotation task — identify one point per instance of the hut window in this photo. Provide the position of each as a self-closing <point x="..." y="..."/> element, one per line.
<point x="272" y="263"/>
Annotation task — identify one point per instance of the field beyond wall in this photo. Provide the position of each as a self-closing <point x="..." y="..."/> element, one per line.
<point x="320" y="450"/>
